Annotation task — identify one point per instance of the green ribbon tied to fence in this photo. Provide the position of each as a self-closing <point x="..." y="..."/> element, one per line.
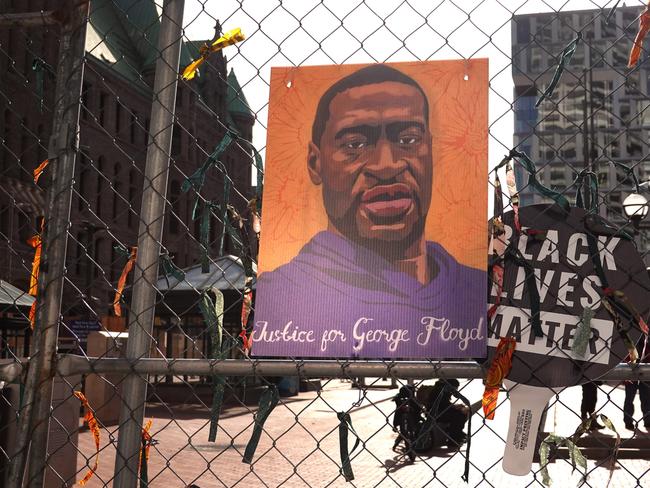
<point x="268" y="401"/>
<point x="39" y="66"/>
<point x="170" y="269"/>
<point x="197" y="179"/>
<point x="582" y="334"/>
<point x="213" y="315"/>
<point x="345" y="425"/>
<point x="529" y="166"/>
<point x="576" y="457"/>
<point x="565" y="59"/>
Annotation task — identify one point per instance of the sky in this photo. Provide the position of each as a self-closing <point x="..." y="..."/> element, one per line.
<point x="314" y="32"/>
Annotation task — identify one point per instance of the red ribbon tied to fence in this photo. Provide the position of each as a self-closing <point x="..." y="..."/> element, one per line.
<point x="38" y="171"/>
<point x="36" y="242"/>
<point x="499" y="369"/>
<point x="117" y="308"/>
<point x="90" y="419"/>
<point x="644" y="28"/>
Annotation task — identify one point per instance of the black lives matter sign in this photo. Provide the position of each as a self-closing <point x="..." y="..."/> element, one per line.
<point x="567" y="283"/>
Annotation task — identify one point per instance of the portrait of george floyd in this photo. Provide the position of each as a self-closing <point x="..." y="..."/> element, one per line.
<point x="373" y="241"/>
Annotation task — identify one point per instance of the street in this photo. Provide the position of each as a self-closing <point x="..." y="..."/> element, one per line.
<point x="300" y="446"/>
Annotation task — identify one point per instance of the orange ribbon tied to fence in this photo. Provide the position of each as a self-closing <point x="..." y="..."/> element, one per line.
<point x="245" y="313"/>
<point x="117" y="307"/>
<point x="37" y="243"/>
<point x="499" y="369"/>
<point x="144" y="454"/>
<point x="644" y="28"/>
<point x="90" y="419"/>
<point x="228" y="39"/>
<point x="38" y="171"/>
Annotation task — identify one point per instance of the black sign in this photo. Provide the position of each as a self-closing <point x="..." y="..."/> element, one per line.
<point x="555" y="246"/>
<point x="81" y="329"/>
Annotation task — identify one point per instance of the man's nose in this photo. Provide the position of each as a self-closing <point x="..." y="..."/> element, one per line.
<point x="385" y="164"/>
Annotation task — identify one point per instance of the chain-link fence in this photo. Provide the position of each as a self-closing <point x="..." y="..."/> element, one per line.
<point x="125" y="219"/>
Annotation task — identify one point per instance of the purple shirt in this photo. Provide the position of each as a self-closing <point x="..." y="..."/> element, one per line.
<point x="338" y="299"/>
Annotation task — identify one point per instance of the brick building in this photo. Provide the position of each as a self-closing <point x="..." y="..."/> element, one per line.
<point x="116" y="102"/>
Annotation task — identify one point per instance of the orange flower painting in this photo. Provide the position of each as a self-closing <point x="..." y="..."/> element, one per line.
<point x="293" y="209"/>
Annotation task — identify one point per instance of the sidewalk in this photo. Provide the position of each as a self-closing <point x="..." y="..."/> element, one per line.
<point x="300" y="446"/>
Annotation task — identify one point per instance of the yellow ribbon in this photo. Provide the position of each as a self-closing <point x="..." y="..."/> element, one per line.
<point x="228" y="39"/>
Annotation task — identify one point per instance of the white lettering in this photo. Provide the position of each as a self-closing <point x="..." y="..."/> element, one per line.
<point x="572" y="250"/>
<point x="565" y="288"/>
<point x="549" y="247"/>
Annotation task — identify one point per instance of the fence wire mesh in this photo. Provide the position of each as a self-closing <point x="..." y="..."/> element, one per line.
<point x="133" y="187"/>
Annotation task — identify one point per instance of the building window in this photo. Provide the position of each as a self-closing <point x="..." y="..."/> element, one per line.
<point x="103" y="100"/>
<point x="42" y="143"/>
<point x="80" y="253"/>
<point x="100" y="186"/>
<point x="132" y="197"/>
<point x="117" y="191"/>
<point x="84" y="101"/>
<point x="133" y="126"/>
<point x="176" y="140"/>
<point x="83" y="182"/>
<point x="6" y="151"/>
<point x="118" y="117"/>
<point x="98" y="256"/>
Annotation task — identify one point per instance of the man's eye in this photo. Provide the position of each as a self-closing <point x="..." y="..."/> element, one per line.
<point x="356" y="144"/>
<point x="408" y="140"/>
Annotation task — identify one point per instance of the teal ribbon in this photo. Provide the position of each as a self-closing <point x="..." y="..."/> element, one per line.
<point x="629" y="173"/>
<point x="531" y="286"/>
<point x="213" y="315"/>
<point x="170" y="269"/>
<point x="268" y="401"/>
<point x="565" y="59"/>
<point x="345" y="424"/>
<point x="204" y="237"/>
<point x="122" y="251"/>
<point x="234" y="223"/>
<point x="611" y="12"/>
<point x="589" y="201"/>
<point x="432" y="419"/>
<point x="39" y="66"/>
<point x="224" y="212"/>
<point x="197" y="179"/>
<point x="529" y="166"/>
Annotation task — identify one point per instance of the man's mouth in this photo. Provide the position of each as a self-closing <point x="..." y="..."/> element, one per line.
<point x="387" y="201"/>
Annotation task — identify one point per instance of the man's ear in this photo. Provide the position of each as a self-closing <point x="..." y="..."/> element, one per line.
<point x="313" y="163"/>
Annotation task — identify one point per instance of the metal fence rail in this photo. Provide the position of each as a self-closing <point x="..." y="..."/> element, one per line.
<point x="101" y="146"/>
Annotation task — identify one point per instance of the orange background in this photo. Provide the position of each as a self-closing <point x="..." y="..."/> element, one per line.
<point x="293" y="207"/>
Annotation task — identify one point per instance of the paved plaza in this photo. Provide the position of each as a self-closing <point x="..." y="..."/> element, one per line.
<point x="300" y="446"/>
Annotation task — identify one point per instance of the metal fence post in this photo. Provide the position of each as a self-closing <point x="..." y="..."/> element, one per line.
<point x="35" y="415"/>
<point x="141" y="316"/>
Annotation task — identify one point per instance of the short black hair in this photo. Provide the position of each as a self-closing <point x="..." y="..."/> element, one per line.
<point x="370" y="75"/>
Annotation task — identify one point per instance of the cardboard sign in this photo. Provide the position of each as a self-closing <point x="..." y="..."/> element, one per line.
<point x="372" y="240"/>
<point x="567" y="282"/>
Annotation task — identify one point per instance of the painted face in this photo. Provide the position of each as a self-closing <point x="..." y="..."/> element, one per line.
<point x="374" y="163"/>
